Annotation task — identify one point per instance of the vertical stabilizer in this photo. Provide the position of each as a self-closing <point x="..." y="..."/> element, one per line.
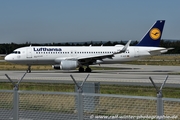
<point x="153" y="36"/>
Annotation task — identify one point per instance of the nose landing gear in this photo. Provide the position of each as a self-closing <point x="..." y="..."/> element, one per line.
<point x="29" y="69"/>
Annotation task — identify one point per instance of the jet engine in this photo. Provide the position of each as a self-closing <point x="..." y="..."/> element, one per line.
<point x="66" y="65"/>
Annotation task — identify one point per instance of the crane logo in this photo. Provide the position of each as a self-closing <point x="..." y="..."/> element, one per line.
<point x="155" y="33"/>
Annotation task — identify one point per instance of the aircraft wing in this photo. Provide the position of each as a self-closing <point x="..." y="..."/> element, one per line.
<point x="160" y="51"/>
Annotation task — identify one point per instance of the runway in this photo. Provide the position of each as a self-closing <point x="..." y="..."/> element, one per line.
<point x="125" y="75"/>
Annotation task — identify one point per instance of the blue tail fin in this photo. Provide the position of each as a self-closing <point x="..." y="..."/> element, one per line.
<point x="153" y="36"/>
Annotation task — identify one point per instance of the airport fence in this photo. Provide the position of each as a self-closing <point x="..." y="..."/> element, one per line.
<point x="37" y="105"/>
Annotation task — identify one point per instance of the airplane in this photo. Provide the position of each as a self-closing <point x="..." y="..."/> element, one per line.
<point x="72" y="57"/>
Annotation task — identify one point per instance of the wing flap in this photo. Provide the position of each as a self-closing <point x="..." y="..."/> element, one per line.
<point x="98" y="57"/>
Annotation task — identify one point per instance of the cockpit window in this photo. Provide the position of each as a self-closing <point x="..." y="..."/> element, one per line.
<point x="16" y="52"/>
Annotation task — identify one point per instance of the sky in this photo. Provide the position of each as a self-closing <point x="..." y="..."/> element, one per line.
<point x="48" y="21"/>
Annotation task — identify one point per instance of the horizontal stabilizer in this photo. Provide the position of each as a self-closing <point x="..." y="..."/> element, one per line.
<point x="160" y="51"/>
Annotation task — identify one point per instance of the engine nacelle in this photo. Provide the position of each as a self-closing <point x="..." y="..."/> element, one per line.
<point x="67" y="65"/>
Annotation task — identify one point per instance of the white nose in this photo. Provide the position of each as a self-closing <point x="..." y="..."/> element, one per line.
<point x="8" y="58"/>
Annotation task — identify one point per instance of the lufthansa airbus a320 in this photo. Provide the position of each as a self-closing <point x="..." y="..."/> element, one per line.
<point x="69" y="58"/>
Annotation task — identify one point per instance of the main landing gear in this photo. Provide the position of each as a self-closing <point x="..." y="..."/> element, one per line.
<point x="29" y="69"/>
<point x="88" y="69"/>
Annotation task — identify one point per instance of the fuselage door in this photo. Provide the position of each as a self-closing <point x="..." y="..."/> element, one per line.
<point x="136" y="52"/>
<point x="29" y="52"/>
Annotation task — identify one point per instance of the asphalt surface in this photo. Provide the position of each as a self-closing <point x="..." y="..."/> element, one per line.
<point x="124" y="75"/>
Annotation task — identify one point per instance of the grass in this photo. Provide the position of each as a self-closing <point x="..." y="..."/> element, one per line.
<point x="139" y="91"/>
<point x="104" y="105"/>
<point x="107" y="106"/>
<point x="104" y="89"/>
<point x="11" y="66"/>
<point x="173" y="60"/>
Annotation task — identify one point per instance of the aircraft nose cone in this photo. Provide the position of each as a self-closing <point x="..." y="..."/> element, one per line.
<point x="7" y="58"/>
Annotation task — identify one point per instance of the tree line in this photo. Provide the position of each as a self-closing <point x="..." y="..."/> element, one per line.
<point x="6" y="48"/>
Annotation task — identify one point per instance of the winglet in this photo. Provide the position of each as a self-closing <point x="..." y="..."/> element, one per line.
<point x="124" y="48"/>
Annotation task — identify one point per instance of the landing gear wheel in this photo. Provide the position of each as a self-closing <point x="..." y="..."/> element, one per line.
<point x="88" y="69"/>
<point x="81" y="69"/>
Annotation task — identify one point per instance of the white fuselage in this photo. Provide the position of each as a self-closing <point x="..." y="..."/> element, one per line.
<point x="55" y="54"/>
